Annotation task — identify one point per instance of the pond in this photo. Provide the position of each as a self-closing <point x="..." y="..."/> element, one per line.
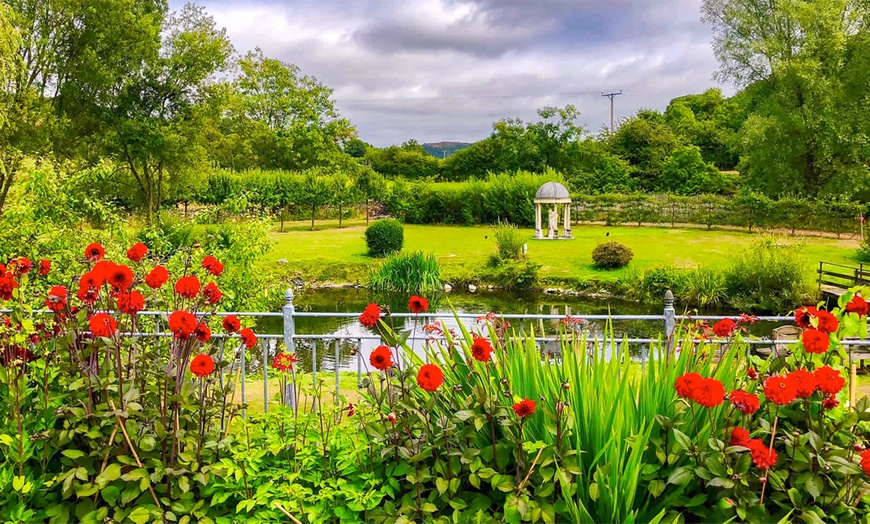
<point x="481" y="303"/>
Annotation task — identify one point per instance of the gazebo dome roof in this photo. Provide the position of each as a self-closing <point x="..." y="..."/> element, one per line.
<point x="552" y="193"/>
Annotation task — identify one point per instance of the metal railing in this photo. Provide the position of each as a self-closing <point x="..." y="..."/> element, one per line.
<point x="668" y="320"/>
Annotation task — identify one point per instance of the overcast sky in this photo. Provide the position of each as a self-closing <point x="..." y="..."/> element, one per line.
<point x="447" y="69"/>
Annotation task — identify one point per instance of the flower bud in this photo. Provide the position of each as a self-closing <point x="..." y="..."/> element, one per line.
<point x="763" y="480"/>
<point x="392" y="418"/>
<point x="565" y="385"/>
<point x="858" y="447"/>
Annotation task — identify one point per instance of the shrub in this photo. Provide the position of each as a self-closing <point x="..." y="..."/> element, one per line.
<point x="768" y="275"/>
<point x="508" y="243"/>
<point x="610" y="255"/>
<point x="408" y="273"/>
<point x="384" y="237"/>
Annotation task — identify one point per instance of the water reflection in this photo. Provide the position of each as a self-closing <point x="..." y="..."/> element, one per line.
<point x="353" y="352"/>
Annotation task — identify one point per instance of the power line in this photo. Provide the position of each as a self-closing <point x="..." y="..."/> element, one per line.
<point x="611" y="96"/>
<point x="431" y="98"/>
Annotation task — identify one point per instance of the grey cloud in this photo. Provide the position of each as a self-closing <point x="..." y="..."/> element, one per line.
<point x="446" y="69"/>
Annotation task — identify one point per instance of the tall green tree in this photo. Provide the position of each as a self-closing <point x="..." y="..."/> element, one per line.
<point x="159" y="124"/>
<point x="646" y="142"/>
<point x="800" y="56"/>
<point x="71" y="58"/>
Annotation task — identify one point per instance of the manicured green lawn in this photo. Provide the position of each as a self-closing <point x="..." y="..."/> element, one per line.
<point x="339" y="254"/>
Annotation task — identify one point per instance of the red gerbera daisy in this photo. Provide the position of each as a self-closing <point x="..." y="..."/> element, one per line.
<point x="724" y="328"/>
<point x="827" y="323"/>
<point x="524" y="408"/>
<point x="803" y="315"/>
<point x="57" y="298"/>
<point x="709" y="393"/>
<point x="804" y="382"/>
<point x="381" y="358"/>
<point x="231" y="324"/>
<point x="686" y="384"/>
<point x="284" y="361"/>
<point x="119" y="276"/>
<point x="249" y="339"/>
<point x="94" y="252"/>
<point x="202" y="333"/>
<point x="481" y="349"/>
<point x="829" y="380"/>
<point x="858" y="306"/>
<point x="202" y="365"/>
<point x="131" y="303"/>
<point x="7" y="286"/>
<point x="418" y="304"/>
<point x="865" y="462"/>
<point x="44" y="267"/>
<point x="187" y="287"/>
<point x="762" y="456"/>
<point x="747" y="403"/>
<point x="103" y="325"/>
<point x="815" y="341"/>
<point x="212" y="293"/>
<point x="370" y="316"/>
<point x="182" y="324"/>
<point x="739" y="437"/>
<point x="212" y="265"/>
<point x="779" y="390"/>
<point x="137" y="252"/>
<point x="430" y="377"/>
<point x="157" y="277"/>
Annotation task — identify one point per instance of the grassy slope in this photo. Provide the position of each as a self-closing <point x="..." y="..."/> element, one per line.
<point x="339" y="254"/>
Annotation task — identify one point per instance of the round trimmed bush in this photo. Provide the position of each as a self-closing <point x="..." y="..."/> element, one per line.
<point x="385" y="236"/>
<point x="610" y="255"/>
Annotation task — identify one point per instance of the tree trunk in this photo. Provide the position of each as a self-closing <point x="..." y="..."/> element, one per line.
<point x="281" y="215"/>
<point x="367" y="211"/>
<point x="312" y="216"/>
<point x="339" y="216"/>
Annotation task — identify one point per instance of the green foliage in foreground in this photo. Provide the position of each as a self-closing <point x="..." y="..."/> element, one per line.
<point x="414" y="273"/>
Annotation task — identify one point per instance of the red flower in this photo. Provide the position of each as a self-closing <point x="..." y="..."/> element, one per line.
<point x="20" y="265"/>
<point x="762" y="456"/>
<point x="779" y="390"/>
<point x="350" y="409"/>
<point x="94" y="252"/>
<point x="202" y="333"/>
<point x="202" y="365"/>
<point x="739" y="437"/>
<point x="524" y="408"/>
<point x="131" y="303"/>
<point x="430" y="377"/>
<point x="858" y="306"/>
<point x="249" y="339"/>
<point x="157" y="277"/>
<point x="709" y="393"/>
<point x="752" y="374"/>
<point x="481" y="349"/>
<point x="92" y="279"/>
<point x="381" y="358"/>
<point x="88" y="295"/>
<point x="103" y="325"/>
<point x="804" y="382"/>
<point x="803" y="315"/>
<point x="182" y="324"/>
<point x="231" y="324"/>
<point x="212" y="265"/>
<point x="370" y="316"/>
<point x="747" y="403"/>
<point x="815" y="341"/>
<point x="418" y="304"/>
<point x="285" y="361"/>
<point x="392" y="418"/>
<point x="724" y="328"/>
<point x="57" y="298"/>
<point x="686" y="384"/>
<point x="830" y="402"/>
<point x="119" y="276"/>
<point x="187" y="287"/>
<point x="827" y="323"/>
<point x="865" y="462"/>
<point x="212" y="293"/>
<point x="7" y="286"/>
<point x="44" y="267"/>
<point x="829" y="380"/>
<point x="137" y="252"/>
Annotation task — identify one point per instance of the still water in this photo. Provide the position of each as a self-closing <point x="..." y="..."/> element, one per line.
<point x="353" y="354"/>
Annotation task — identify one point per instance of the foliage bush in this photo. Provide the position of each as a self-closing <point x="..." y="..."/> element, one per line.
<point x="611" y="255"/>
<point x="769" y="275"/>
<point x="407" y="273"/>
<point x="385" y="236"/>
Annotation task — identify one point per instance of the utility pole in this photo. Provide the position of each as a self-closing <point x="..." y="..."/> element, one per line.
<point x="611" y="96"/>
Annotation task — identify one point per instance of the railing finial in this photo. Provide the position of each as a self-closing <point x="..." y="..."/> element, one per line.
<point x="288" y="296"/>
<point x="669" y="298"/>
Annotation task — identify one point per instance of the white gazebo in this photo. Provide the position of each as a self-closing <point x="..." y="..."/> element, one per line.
<point x="555" y="194"/>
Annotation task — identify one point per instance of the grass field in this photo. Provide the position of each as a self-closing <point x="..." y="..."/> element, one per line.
<point x="336" y="254"/>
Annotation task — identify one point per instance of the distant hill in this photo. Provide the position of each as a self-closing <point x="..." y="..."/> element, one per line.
<point x="444" y="149"/>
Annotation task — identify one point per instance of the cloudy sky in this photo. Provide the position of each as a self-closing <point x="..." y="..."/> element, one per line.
<point x="447" y="69"/>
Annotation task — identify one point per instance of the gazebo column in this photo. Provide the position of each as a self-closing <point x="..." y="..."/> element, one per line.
<point x="566" y="233"/>
<point x="538" y="221"/>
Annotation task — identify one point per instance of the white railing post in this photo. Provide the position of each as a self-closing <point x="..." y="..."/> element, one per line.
<point x="290" y="344"/>
<point x="670" y="315"/>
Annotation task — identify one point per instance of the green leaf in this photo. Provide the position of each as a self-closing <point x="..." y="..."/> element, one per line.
<point x="140" y="515"/>
<point x="680" y="476"/>
<point x="656" y="487"/>
<point x="721" y="482"/>
<point x="73" y="453"/>
<point x="18" y="483"/>
<point x="428" y="507"/>
<point x="814" y="486"/>
<point x="593" y="491"/>
<point x="441" y="484"/>
<point x="683" y="440"/>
